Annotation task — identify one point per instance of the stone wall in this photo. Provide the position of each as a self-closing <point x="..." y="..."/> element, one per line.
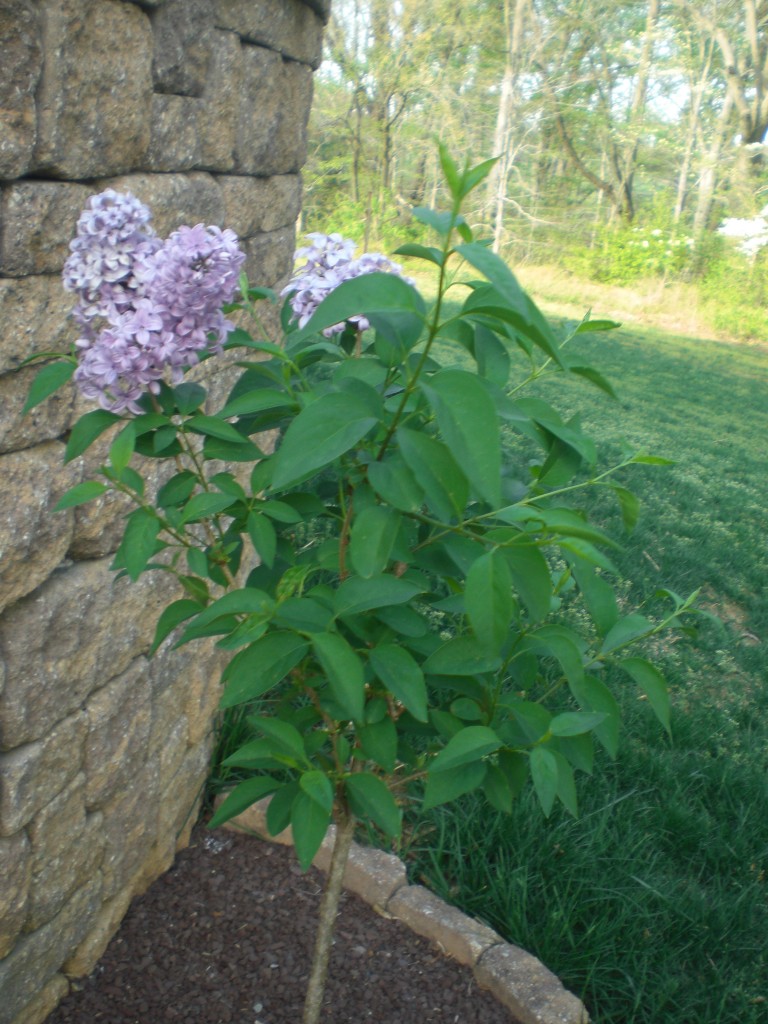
<point x="198" y="107"/>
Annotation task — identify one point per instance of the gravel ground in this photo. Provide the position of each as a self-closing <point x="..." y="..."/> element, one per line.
<point x="225" y="937"/>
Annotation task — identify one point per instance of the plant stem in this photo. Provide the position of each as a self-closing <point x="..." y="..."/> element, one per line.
<point x="329" y="908"/>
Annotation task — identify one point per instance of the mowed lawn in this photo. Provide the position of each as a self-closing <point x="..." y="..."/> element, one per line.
<point x="653" y="905"/>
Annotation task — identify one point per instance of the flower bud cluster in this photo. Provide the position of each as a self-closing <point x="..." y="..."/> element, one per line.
<point x="147" y="308"/>
<point x="330" y="261"/>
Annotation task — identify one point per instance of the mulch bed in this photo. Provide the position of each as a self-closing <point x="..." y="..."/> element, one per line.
<point x="225" y="937"/>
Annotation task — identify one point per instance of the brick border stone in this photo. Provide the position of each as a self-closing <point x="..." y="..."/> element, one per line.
<point x="532" y="993"/>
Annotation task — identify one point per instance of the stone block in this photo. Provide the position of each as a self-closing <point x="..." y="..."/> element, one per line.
<point x="256" y="205"/>
<point x="374" y="875"/>
<point x="49" y="420"/>
<point x="45" y="1002"/>
<point x="288" y="26"/>
<point x="16" y="872"/>
<point x="119" y="720"/>
<point x="254" y="821"/>
<point x="524" y="985"/>
<point x="102" y="928"/>
<point x="37" y="957"/>
<point x="130" y="828"/>
<point x="458" y="935"/>
<point x="275" y="97"/>
<point x="175" y="143"/>
<point x="181" y="795"/>
<point x="38" y="219"/>
<point x="174" y="199"/>
<point x="182" y="31"/>
<point x="22" y="50"/>
<point x="33" y="539"/>
<point x="34" y="774"/>
<point x="221" y="100"/>
<point x="321" y="7"/>
<point x="201" y="691"/>
<point x="95" y="93"/>
<point x="78" y="630"/>
<point x="34" y="313"/>
<point x="270" y="257"/>
<point x="67" y="848"/>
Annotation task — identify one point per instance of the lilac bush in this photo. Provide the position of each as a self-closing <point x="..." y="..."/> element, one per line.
<point x="402" y="631"/>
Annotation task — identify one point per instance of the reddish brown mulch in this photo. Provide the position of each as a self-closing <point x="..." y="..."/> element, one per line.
<point x="225" y="937"/>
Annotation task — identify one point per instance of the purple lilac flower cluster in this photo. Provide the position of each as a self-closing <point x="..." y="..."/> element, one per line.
<point x="330" y="261"/>
<point x="147" y="308"/>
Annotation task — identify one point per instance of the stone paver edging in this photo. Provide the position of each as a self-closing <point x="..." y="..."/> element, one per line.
<point x="518" y="980"/>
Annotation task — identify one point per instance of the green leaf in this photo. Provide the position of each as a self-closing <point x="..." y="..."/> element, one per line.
<point x="309" y="822"/>
<point x="303" y="614"/>
<point x="575" y="723"/>
<point x="172" y="616"/>
<point x="258" y="400"/>
<point x="203" y="506"/>
<point x="590" y="374"/>
<point x="450" y="172"/>
<point x="212" y="426"/>
<point x="176" y="490"/>
<point x="373" y="535"/>
<point x="629" y="505"/>
<point x="242" y="601"/>
<point x="562" y="645"/>
<point x="488" y="599"/>
<point x="467" y="418"/>
<point x="79" y="494"/>
<point x="395" y="484"/>
<point x="317" y="786"/>
<point x="86" y="430"/>
<point x="263" y="537"/>
<point x="261" y="666"/>
<point x="243" y="796"/>
<point x="49" y="379"/>
<point x="440" y="220"/>
<point x="625" y="631"/>
<point x="594" y="695"/>
<point x="598" y="594"/>
<point x="653" y="685"/>
<point x="122" y="448"/>
<point x="651" y="460"/>
<point x="344" y="672"/>
<point x="477" y="174"/>
<point x="461" y="656"/>
<point x="497" y="790"/>
<point x="421" y="252"/>
<point x="279" y="808"/>
<point x="370" y="799"/>
<point x="472" y="743"/>
<point x="545" y="777"/>
<point x="379" y="743"/>
<point x="586" y="326"/>
<point x="284" y="739"/>
<point x="321" y="432"/>
<point x="402" y="676"/>
<point x="188" y="396"/>
<point x="566" y="785"/>
<point x="139" y="542"/>
<point x="443" y="483"/>
<point x="366" y="295"/>
<point x="531" y="578"/>
<point x="445" y="786"/>
<point x="357" y="595"/>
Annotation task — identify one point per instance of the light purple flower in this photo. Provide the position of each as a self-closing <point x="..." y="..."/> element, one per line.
<point x="330" y="261"/>
<point x="147" y="309"/>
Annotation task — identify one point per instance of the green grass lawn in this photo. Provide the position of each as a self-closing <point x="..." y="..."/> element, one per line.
<point x="653" y="905"/>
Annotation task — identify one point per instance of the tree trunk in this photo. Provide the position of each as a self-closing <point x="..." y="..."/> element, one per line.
<point x="329" y="908"/>
<point x="708" y="178"/>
